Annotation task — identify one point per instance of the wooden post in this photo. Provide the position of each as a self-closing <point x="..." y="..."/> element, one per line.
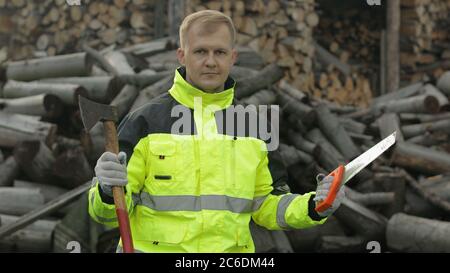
<point x="159" y="20"/>
<point x="176" y="12"/>
<point x="382" y="63"/>
<point x="393" y="45"/>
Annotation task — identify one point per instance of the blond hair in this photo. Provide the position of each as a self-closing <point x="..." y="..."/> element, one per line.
<point x="208" y="18"/>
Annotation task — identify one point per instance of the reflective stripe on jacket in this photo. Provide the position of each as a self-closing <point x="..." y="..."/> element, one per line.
<point x="196" y="190"/>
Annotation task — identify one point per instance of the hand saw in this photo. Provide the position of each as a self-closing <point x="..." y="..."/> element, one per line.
<point x="343" y="174"/>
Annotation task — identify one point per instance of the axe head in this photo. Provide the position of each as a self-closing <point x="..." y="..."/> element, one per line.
<point x="93" y="112"/>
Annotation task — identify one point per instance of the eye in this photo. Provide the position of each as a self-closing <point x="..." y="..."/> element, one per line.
<point x="221" y="52"/>
<point x="200" y="51"/>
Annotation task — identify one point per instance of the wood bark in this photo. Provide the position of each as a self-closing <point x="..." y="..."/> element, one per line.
<point x="67" y="93"/>
<point x="15" y="128"/>
<point x="420" y="158"/>
<point x="263" y="97"/>
<point x="18" y="201"/>
<point x="340" y="244"/>
<point x="416" y="104"/>
<point x="443" y="83"/>
<point x="36" y="160"/>
<point x="330" y="125"/>
<point x="98" y="88"/>
<point x="152" y="91"/>
<point x="302" y="144"/>
<point x="393" y="42"/>
<point x="35" y="238"/>
<point x="407" y="233"/>
<point x="44" y="105"/>
<point x="9" y="170"/>
<point x="269" y="75"/>
<point x="49" y="192"/>
<point x="421" y="128"/>
<point x="389" y="123"/>
<point x="70" y="65"/>
<point x="301" y="111"/>
<point x="402" y="93"/>
<point x="365" y="222"/>
<point x="72" y="168"/>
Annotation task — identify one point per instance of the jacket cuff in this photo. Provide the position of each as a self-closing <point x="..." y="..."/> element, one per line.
<point x="105" y="198"/>
<point x="312" y="213"/>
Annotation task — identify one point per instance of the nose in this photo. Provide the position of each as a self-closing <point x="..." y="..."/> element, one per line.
<point x="210" y="60"/>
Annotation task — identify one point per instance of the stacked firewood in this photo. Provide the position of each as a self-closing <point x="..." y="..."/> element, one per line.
<point x="424" y="38"/>
<point x="47" y="28"/>
<point x="346" y="54"/>
<point x="42" y="142"/>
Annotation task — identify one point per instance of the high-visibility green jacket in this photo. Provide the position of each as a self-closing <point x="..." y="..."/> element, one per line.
<point x="196" y="191"/>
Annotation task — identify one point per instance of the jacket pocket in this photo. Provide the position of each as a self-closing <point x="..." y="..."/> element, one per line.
<point x="164" y="160"/>
<point x="161" y="229"/>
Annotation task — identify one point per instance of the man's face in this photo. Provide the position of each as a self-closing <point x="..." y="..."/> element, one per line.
<point x="208" y="56"/>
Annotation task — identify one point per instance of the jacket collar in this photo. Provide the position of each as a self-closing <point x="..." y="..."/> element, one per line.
<point x="184" y="92"/>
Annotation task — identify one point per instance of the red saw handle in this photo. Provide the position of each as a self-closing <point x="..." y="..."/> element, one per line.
<point x="338" y="174"/>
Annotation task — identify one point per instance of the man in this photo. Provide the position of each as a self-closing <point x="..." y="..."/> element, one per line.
<point x="197" y="190"/>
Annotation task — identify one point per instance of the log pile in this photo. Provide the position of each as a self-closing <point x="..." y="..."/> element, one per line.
<point x="48" y="28"/>
<point x="46" y="158"/>
<point x="346" y="55"/>
<point x="424" y="39"/>
<point x="411" y="180"/>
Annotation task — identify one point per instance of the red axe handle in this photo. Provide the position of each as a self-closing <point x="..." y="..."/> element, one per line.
<point x="112" y="145"/>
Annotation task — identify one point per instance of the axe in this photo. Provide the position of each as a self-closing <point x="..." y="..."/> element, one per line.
<point x="92" y="112"/>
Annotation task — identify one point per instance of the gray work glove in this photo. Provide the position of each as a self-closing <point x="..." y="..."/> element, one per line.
<point x="111" y="171"/>
<point x="323" y="187"/>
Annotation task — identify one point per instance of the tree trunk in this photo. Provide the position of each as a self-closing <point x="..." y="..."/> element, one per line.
<point x="340" y="244"/>
<point x="420" y="158"/>
<point x="389" y="123"/>
<point x="302" y="144"/>
<point x="68" y="93"/>
<point x="152" y="91"/>
<point x="16" y="201"/>
<point x="72" y="168"/>
<point x="444" y="83"/>
<point x="367" y="223"/>
<point x="35" y="238"/>
<point x="416" y="104"/>
<point x="418" y="129"/>
<point x="44" y="105"/>
<point x="9" y="170"/>
<point x="70" y="65"/>
<point x="49" y="192"/>
<point x="36" y="159"/>
<point x="407" y="233"/>
<point x="329" y="124"/>
<point x="269" y="75"/>
<point x="15" y="128"/>
<point x="99" y="88"/>
<point x="407" y="91"/>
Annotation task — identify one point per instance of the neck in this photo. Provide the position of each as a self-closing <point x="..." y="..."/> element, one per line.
<point x="217" y="90"/>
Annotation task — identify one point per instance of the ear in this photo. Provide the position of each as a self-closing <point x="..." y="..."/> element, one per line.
<point x="234" y="55"/>
<point x="180" y="56"/>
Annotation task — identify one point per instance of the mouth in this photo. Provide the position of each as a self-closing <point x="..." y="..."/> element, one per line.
<point x="210" y="73"/>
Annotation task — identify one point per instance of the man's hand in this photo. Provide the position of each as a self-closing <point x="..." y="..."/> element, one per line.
<point x="323" y="187"/>
<point x="111" y="171"/>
